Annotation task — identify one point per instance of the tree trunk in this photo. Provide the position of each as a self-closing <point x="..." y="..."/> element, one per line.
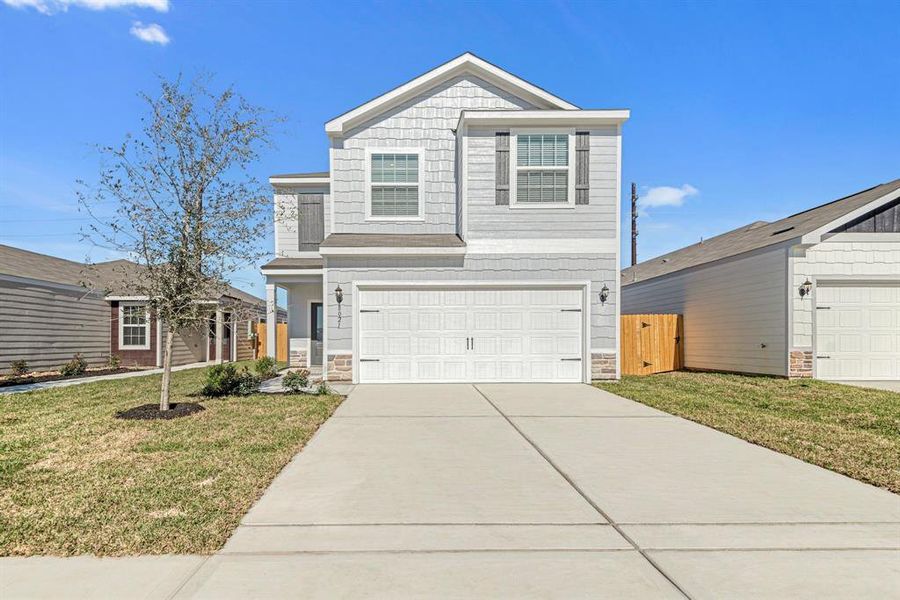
<point x="167" y="369"/>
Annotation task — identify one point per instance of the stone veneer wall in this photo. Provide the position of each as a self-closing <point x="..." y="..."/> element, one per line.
<point x="603" y="365"/>
<point x="297" y="358"/>
<point x="340" y="367"/>
<point x="801" y="364"/>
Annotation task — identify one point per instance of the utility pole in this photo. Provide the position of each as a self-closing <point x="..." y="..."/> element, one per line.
<point x="634" y="217"/>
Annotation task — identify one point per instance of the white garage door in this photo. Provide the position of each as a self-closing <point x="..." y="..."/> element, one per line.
<point x="445" y="335"/>
<point x="858" y="331"/>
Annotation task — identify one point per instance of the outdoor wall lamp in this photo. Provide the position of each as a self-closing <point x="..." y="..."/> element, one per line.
<point x="805" y="288"/>
<point x="604" y="294"/>
<point x="338" y="297"/>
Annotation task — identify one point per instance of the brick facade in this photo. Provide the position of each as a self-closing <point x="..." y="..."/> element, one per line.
<point x="131" y="358"/>
<point x="801" y="364"/>
<point x="603" y="365"/>
<point x="340" y="367"/>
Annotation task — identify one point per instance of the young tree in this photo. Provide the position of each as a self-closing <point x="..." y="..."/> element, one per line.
<point x="187" y="210"/>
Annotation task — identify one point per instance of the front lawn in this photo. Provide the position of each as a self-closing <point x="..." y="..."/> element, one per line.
<point x="850" y="430"/>
<point x="74" y="479"/>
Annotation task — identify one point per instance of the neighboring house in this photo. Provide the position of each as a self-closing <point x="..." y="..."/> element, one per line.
<point x="51" y="308"/>
<point x="816" y="294"/>
<point x="467" y="230"/>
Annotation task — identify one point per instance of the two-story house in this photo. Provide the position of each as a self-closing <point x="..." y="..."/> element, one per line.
<point x="467" y="231"/>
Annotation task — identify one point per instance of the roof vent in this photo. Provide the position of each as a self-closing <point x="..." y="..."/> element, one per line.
<point x="782" y="231"/>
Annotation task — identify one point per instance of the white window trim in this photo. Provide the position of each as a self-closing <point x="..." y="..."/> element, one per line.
<point x="146" y="344"/>
<point x="368" y="168"/>
<point x="514" y="170"/>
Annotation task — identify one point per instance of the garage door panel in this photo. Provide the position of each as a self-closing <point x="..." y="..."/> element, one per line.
<point x="471" y="335"/>
<point x="858" y="331"/>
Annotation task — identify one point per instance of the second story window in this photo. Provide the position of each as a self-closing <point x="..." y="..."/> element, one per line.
<point x="542" y="169"/>
<point x="394" y="185"/>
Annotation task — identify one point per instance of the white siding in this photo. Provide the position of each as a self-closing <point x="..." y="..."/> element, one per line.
<point x="426" y="121"/>
<point x="46" y="325"/>
<point x="731" y="308"/>
<point x="839" y="260"/>
<point x="598" y="269"/>
<point x="486" y="220"/>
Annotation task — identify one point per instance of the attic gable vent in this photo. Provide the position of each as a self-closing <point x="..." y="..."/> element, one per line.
<point x="781" y="231"/>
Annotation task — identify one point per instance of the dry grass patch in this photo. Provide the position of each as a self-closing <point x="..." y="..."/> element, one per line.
<point x="74" y="479"/>
<point x="854" y="431"/>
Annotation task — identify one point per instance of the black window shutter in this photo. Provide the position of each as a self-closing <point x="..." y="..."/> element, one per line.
<point x="582" y="167"/>
<point x="502" y="158"/>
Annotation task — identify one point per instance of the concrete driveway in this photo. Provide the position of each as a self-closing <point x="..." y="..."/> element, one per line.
<point x="549" y="491"/>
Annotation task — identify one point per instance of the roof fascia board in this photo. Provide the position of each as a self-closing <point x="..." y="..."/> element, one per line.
<point x="544" y="117"/>
<point x="466" y="62"/>
<point x="298" y="181"/>
<point x="816" y="236"/>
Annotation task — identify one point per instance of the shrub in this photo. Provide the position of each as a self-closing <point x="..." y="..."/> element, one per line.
<point x="295" y="381"/>
<point x="225" y="380"/>
<point x="113" y="361"/>
<point x="76" y="366"/>
<point x="221" y="380"/>
<point x="248" y="383"/>
<point x="265" y="367"/>
<point x="19" y="367"/>
<point x="323" y="389"/>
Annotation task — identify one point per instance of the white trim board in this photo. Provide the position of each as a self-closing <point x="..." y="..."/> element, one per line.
<point x="466" y="63"/>
<point x="379" y="251"/>
<point x="542" y="246"/>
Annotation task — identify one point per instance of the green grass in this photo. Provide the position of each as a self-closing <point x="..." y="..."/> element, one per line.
<point x="850" y="430"/>
<point x="74" y="480"/>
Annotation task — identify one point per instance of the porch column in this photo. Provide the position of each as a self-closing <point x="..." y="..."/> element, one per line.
<point x="271" y="318"/>
<point x="220" y="334"/>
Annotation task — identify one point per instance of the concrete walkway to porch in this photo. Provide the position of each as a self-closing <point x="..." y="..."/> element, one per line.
<point x="42" y="385"/>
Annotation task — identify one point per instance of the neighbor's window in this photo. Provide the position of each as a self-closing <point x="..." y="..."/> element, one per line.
<point x="395" y="185"/>
<point x="542" y="168"/>
<point x="134" y="328"/>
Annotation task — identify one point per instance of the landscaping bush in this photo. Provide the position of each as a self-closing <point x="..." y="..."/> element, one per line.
<point x="295" y="381"/>
<point x="113" y="361"/>
<point x="265" y="367"/>
<point x="226" y="380"/>
<point x="323" y="389"/>
<point x="19" y="368"/>
<point x="76" y="366"/>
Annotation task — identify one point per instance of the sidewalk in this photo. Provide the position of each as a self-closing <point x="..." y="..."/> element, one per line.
<point x="42" y="385"/>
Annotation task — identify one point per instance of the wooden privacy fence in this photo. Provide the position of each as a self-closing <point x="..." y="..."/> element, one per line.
<point x="652" y="344"/>
<point x="281" y="341"/>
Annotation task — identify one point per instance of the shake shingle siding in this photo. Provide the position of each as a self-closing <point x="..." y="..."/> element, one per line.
<point x="426" y="121"/>
<point x="46" y="324"/>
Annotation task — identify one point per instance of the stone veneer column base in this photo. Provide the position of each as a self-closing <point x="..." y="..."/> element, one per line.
<point x="801" y="364"/>
<point x="297" y="358"/>
<point x="603" y="365"/>
<point x="340" y="368"/>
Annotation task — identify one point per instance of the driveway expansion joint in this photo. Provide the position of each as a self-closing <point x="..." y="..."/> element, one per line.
<point x="584" y="495"/>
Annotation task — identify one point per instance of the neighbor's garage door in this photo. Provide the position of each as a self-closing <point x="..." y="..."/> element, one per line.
<point x="445" y="335"/>
<point x="858" y="331"/>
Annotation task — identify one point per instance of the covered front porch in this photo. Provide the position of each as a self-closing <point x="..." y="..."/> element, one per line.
<point x="296" y="284"/>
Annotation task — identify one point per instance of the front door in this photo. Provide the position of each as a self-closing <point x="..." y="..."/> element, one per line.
<point x="315" y="331"/>
<point x="226" y="338"/>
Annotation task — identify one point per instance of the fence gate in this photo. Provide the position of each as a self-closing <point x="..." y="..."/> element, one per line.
<point x="281" y="341"/>
<point x="651" y="344"/>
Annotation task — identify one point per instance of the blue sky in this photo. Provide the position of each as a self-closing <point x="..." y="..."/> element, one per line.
<point x="746" y="111"/>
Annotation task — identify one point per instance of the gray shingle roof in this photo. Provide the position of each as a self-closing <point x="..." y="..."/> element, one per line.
<point x="754" y="236"/>
<point x="294" y="263"/>
<point x="392" y="240"/>
<point x="110" y="277"/>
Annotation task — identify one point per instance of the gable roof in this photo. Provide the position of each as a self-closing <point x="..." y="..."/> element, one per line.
<point x="465" y="63"/>
<point x="808" y="225"/>
<point x="109" y="277"/>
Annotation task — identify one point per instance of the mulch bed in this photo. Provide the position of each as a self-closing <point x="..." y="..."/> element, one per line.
<point x="147" y="412"/>
<point x="57" y="377"/>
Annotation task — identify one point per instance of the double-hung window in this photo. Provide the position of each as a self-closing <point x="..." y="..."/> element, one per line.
<point x="393" y="184"/>
<point x="134" y="327"/>
<point x="543" y="175"/>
